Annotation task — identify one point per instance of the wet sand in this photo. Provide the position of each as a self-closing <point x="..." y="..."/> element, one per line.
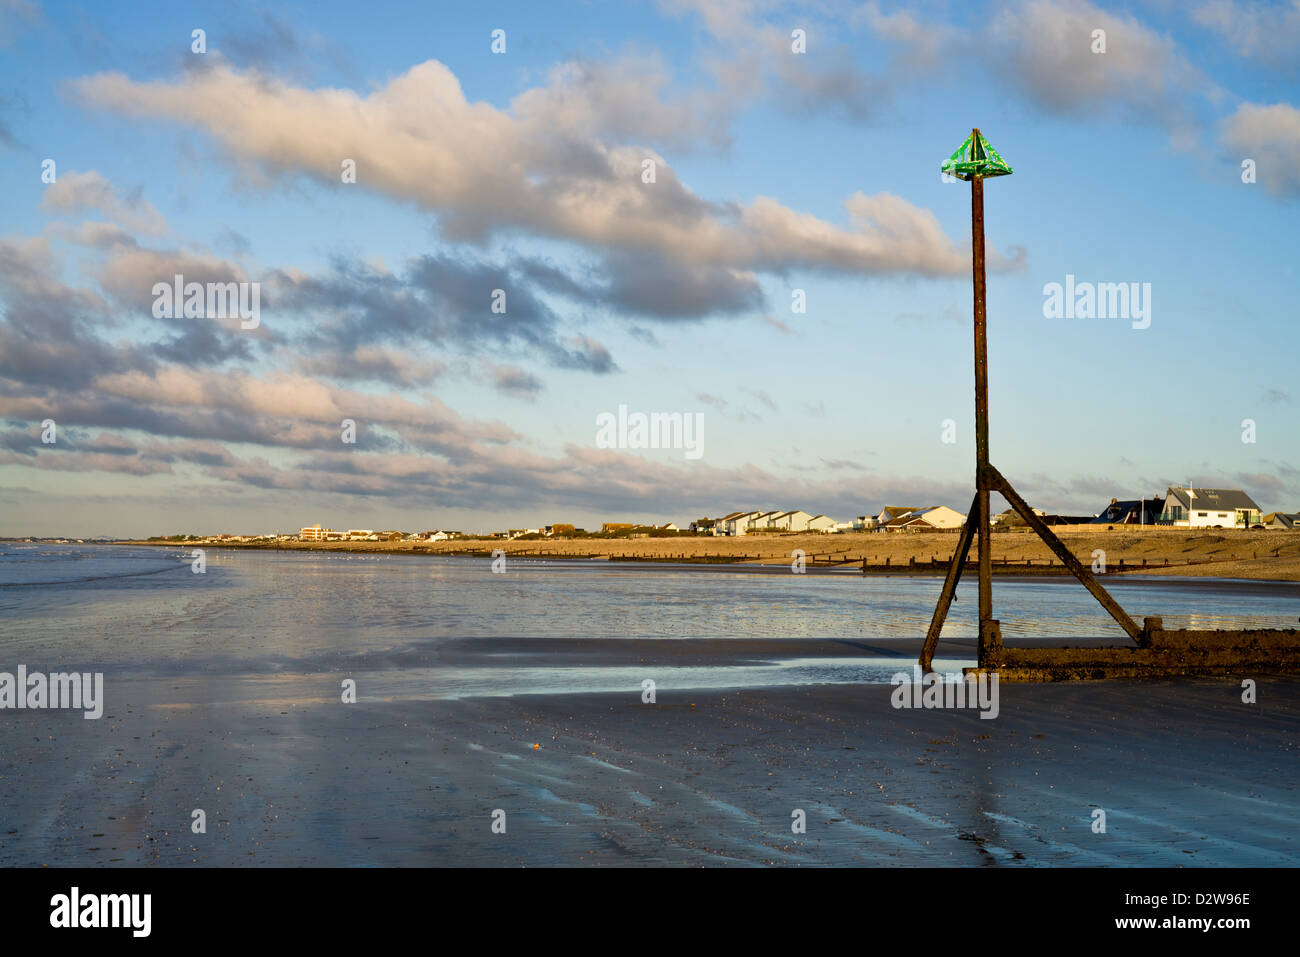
<point x="288" y="775"/>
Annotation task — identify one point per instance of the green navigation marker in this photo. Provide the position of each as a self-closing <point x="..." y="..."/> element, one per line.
<point x="975" y="157"/>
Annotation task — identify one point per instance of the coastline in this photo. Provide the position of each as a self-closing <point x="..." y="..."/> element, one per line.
<point x="1227" y="554"/>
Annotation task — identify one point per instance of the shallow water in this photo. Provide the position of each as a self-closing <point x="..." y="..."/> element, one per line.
<point x="142" y="610"/>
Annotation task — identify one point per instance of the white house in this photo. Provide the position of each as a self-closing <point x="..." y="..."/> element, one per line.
<point x="735" y="523"/>
<point x="929" y="518"/>
<point x="820" y="523"/>
<point x="795" y="521"/>
<point x="1209" y="508"/>
<point x="941" y="516"/>
<point x="891" y="512"/>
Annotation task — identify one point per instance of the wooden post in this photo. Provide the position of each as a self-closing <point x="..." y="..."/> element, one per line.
<point x="949" y="587"/>
<point x="981" y="408"/>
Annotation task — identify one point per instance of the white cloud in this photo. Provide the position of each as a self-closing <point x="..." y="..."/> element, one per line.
<point x="77" y="193"/>
<point x="1270" y="135"/>
<point x="485" y="170"/>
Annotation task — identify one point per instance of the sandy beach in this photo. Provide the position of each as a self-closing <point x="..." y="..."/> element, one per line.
<point x="289" y="775"/>
<point x="522" y="692"/>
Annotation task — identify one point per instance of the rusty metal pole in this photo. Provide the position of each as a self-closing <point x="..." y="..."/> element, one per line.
<point x="981" y="410"/>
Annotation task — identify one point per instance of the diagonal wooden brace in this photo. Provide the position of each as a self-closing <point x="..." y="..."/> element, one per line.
<point x="996" y="481"/>
<point x="949" y="586"/>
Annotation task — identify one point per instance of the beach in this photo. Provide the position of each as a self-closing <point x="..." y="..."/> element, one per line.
<point x="525" y="693"/>
<point x="1187" y="774"/>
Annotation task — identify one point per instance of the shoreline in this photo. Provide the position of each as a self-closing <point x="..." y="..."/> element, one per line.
<point x="1268" y="556"/>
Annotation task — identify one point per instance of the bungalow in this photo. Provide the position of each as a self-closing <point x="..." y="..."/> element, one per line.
<point x="795" y="521"/>
<point x="1010" y="517"/>
<point x="734" y="523"/>
<point x="1281" y="520"/>
<point x="891" y="512"/>
<point x="1137" y="511"/>
<point x="820" y="523"/>
<point x="941" y="516"/>
<point x="930" y="517"/>
<point x="761" y="520"/>
<point x="1209" y="508"/>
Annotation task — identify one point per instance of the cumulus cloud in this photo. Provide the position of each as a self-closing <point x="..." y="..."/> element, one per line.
<point x="373" y="364"/>
<point x="77" y="193"/>
<point x="1267" y="32"/>
<point x="438" y="300"/>
<point x="485" y="170"/>
<point x="513" y="381"/>
<point x="1270" y="135"/>
<point x="1044" y="48"/>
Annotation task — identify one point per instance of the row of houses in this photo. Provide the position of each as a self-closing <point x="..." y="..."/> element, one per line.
<point x="315" y="533"/>
<point x="1179" y="507"/>
<point x="1192" y="507"/>
<point x="772" y="520"/>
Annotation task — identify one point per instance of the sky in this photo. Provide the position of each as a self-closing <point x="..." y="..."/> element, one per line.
<point x="475" y="230"/>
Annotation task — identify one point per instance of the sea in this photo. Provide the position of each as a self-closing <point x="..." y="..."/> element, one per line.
<point x="146" y="611"/>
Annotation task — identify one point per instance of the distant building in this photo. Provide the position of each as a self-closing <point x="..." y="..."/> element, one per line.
<point x="734" y="523"/>
<point x="1138" y="511"/>
<point x="1281" y="520"/>
<point x="312" y="533"/>
<point x="1209" y="508"/>
<point x="820" y="523"/>
<point x="793" y="521"/>
<point x="926" y="518"/>
<point x="1011" y="517"/>
<point x="891" y="512"/>
<point x="607" y="528"/>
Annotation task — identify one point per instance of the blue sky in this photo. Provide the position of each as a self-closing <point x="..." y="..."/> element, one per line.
<point x="521" y="170"/>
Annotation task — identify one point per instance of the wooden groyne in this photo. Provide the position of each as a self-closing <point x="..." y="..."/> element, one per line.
<point x="1158" y="653"/>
